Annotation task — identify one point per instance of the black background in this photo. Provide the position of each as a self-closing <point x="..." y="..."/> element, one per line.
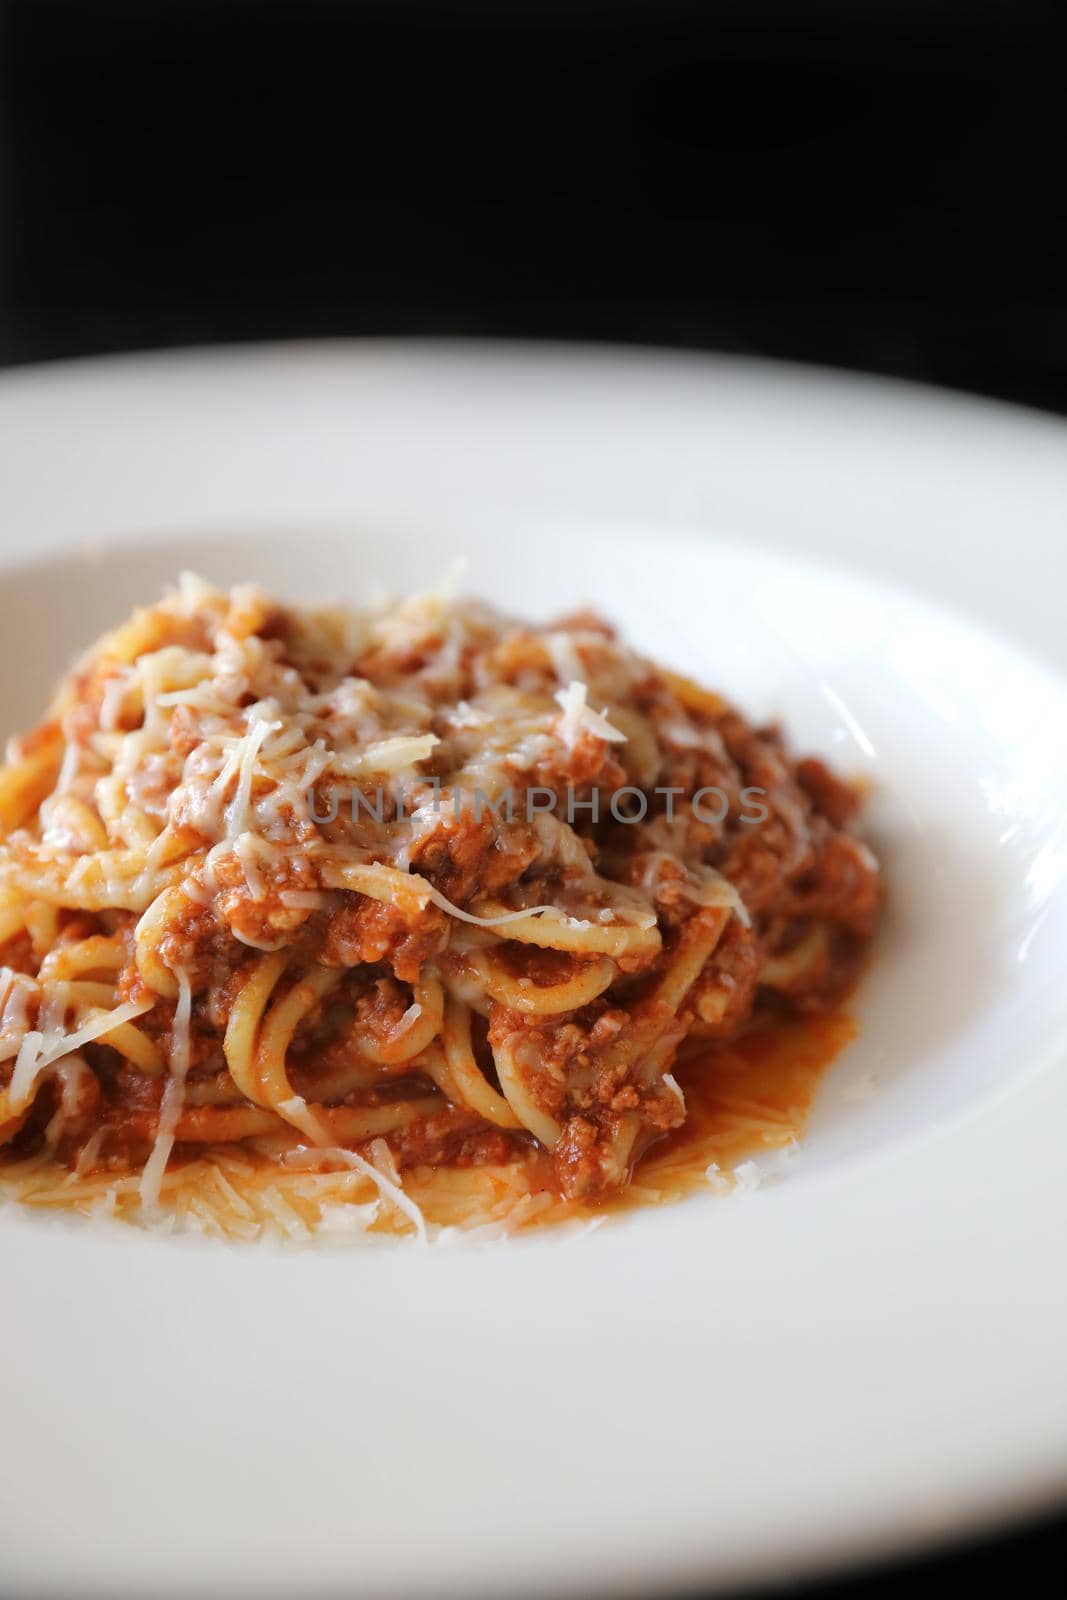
<point x="878" y="185"/>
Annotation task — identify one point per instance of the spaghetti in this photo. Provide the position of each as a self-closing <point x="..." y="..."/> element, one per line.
<point x="391" y="917"/>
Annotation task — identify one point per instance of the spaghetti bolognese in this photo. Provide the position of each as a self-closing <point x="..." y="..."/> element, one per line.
<point x="398" y="917"/>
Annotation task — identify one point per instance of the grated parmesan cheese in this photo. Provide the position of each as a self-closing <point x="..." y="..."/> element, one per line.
<point x="248" y="750"/>
<point x="27" y="1069"/>
<point x="492" y="922"/>
<point x="173" y="1096"/>
<point x="670" y="1082"/>
<point x="382" y="1172"/>
<point x="100" y="1023"/>
<point x="393" y="755"/>
<point x="578" y="715"/>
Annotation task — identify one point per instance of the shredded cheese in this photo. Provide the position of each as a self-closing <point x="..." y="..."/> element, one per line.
<point x="578" y="715"/>
<point x="396" y="755"/>
<point x="27" y="1069"/>
<point x="173" y="1096"/>
<point x="488" y="922"/>
<point x="98" y="1025"/>
<point x="389" y="1187"/>
<point x="237" y="816"/>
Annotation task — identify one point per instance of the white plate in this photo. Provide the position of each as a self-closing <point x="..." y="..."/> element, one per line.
<point x="864" y="1355"/>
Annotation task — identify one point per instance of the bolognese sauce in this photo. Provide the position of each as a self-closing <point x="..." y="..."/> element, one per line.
<point x="418" y="916"/>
